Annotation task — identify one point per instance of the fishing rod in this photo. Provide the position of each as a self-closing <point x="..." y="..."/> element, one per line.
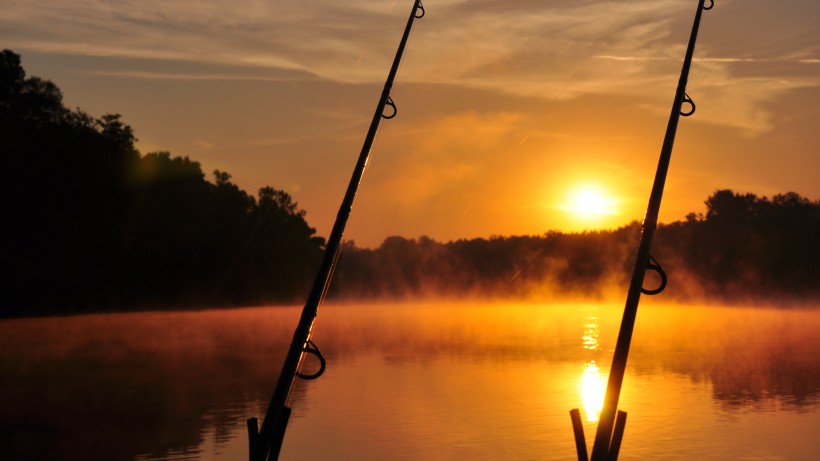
<point x="265" y="442"/>
<point x="612" y="421"/>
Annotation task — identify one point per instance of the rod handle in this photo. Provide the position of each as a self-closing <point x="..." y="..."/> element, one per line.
<point x="617" y="436"/>
<point x="578" y="429"/>
<point x="253" y="434"/>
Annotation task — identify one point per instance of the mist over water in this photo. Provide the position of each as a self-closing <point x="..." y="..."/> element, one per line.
<point x="412" y="381"/>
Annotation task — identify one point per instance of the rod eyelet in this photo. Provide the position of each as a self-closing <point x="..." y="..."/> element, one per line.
<point x="392" y="105"/>
<point x="653" y="265"/>
<point x="310" y="348"/>
<point x="687" y="100"/>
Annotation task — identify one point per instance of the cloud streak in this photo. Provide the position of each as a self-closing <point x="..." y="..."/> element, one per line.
<point x="522" y="47"/>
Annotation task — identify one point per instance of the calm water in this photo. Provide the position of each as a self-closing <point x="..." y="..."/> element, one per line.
<point x="413" y="382"/>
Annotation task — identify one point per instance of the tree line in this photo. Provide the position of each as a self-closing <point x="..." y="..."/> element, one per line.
<point x="744" y="249"/>
<point x="92" y="224"/>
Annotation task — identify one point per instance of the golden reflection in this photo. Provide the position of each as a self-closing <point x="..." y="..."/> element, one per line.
<point x="592" y="383"/>
<point x="591" y="333"/>
<point x="592" y="391"/>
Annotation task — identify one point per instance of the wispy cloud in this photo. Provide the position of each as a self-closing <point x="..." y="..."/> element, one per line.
<point x="515" y="46"/>
<point x="556" y="51"/>
<point x="198" y="76"/>
<point x="704" y="59"/>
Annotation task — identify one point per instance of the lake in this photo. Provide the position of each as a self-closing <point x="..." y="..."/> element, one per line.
<point x="415" y="381"/>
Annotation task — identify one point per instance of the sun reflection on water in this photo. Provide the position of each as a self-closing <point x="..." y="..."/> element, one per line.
<point x="592" y="391"/>
<point x="591" y="332"/>
<point x="592" y="385"/>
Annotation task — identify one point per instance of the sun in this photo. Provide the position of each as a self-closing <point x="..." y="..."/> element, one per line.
<point x="589" y="201"/>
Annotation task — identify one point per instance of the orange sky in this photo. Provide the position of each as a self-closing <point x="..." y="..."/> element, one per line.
<point x="505" y="107"/>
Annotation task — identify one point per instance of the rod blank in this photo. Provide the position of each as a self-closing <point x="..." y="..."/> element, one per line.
<point x="271" y="434"/>
<point x="602" y="446"/>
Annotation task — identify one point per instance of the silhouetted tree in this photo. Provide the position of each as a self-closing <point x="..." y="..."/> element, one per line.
<point x="93" y="224"/>
<point x="63" y="195"/>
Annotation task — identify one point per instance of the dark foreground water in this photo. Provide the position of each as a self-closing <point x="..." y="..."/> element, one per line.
<point x="413" y="382"/>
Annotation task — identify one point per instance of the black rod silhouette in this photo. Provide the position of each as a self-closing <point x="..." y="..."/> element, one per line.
<point x="265" y="444"/>
<point x="609" y="433"/>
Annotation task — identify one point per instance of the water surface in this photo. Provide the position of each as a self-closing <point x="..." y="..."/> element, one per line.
<point x="422" y="381"/>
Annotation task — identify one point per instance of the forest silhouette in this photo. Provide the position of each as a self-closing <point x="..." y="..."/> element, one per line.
<point x="92" y="224"/>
